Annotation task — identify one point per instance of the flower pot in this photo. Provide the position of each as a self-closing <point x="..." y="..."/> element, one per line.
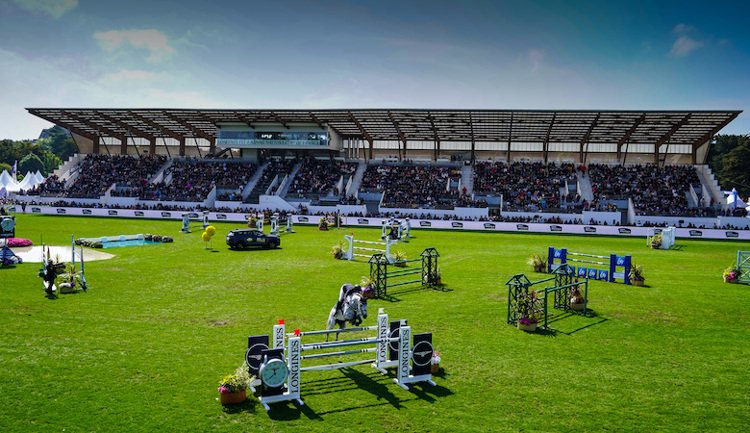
<point x="577" y="307"/>
<point x="636" y="282"/>
<point x="233" y="397"/>
<point x="434" y="368"/>
<point x="531" y="327"/>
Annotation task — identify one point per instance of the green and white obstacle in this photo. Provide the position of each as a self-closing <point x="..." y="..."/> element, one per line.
<point x="279" y="367"/>
<point x="661" y="239"/>
<point x="402" y="229"/>
<point x="743" y="266"/>
<point x="188" y="217"/>
<point x="354" y="246"/>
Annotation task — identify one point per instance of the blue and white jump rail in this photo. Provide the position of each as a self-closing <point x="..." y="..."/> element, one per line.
<point x="617" y="267"/>
<point x="392" y="346"/>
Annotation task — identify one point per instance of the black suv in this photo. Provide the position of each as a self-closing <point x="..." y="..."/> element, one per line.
<point x="244" y="238"/>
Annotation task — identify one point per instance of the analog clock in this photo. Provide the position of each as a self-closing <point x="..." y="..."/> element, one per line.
<point x="273" y="373"/>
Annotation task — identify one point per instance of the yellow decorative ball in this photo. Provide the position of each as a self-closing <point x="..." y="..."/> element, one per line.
<point x="205" y="236"/>
<point x="211" y="230"/>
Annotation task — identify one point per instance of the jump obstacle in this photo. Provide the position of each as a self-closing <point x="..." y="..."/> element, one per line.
<point x="392" y="348"/>
<point x="353" y="246"/>
<point x="187" y="217"/>
<point x="380" y="274"/>
<point x="565" y="280"/>
<point x="610" y="274"/>
<point x="275" y="230"/>
<point x="662" y="239"/>
<point x="743" y="264"/>
<point x="402" y="229"/>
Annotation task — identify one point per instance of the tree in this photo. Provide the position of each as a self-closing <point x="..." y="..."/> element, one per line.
<point x="735" y="171"/>
<point x="51" y="162"/>
<point x="31" y="163"/>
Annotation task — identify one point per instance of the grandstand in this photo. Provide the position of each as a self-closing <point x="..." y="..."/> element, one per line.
<point x="610" y="167"/>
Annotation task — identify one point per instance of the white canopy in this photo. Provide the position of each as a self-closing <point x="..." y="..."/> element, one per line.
<point x="7" y="181"/>
<point x="38" y="177"/>
<point x="29" y="182"/>
<point x="734" y="201"/>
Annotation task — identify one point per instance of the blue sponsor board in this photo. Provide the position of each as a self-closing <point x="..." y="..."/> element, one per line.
<point x="603" y="275"/>
<point x="592" y="273"/>
<point x="581" y="271"/>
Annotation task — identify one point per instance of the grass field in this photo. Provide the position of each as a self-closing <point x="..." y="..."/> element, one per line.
<point x="144" y="348"/>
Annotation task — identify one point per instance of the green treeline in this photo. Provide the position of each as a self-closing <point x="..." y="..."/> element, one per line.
<point x="729" y="159"/>
<point x="45" y="154"/>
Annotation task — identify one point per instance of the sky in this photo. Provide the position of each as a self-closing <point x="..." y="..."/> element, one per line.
<point x="650" y="55"/>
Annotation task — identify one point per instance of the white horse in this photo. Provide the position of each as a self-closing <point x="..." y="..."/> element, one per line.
<point x="351" y="307"/>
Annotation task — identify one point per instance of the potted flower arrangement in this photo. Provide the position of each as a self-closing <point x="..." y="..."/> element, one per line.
<point x="252" y="222"/>
<point x="233" y="387"/>
<point x="731" y="274"/>
<point x="636" y="275"/>
<point x="399" y="258"/>
<point x="656" y="241"/>
<point x="538" y="263"/>
<point x="323" y="224"/>
<point x="337" y="251"/>
<point x="526" y="311"/>
<point x="577" y="299"/>
<point x="435" y="365"/>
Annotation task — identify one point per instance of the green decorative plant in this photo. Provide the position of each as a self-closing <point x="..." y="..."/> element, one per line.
<point x="538" y="263"/>
<point x="239" y="381"/>
<point x="576" y="296"/>
<point x="656" y="241"/>
<point x="399" y="258"/>
<point x="528" y="307"/>
<point x="337" y="251"/>
<point x="252" y="222"/>
<point x="636" y="274"/>
<point x="323" y="224"/>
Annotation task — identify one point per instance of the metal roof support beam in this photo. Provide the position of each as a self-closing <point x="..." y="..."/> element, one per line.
<point x="362" y="130"/>
<point x="510" y="136"/>
<point x="587" y="137"/>
<point x="436" y="139"/>
<point x="195" y="139"/>
<point x="278" y="119"/>
<point x="626" y="138"/>
<point x="182" y="146"/>
<point x="164" y="140"/>
<point x="66" y="125"/>
<point x="152" y="146"/>
<point x="400" y="133"/>
<point x="138" y="131"/>
<point x="196" y="132"/>
<point x="95" y="145"/>
<point x="123" y="144"/>
<point x="545" y="145"/>
<point x="473" y="142"/>
<point x="109" y="132"/>
<point x="371" y="143"/>
<point x="665" y="138"/>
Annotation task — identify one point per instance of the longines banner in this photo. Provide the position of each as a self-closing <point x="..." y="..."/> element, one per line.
<point x="743" y="235"/>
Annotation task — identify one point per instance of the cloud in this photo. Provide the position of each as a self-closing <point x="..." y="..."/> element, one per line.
<point x="132" y="75"/>
<point x="154" y="41"/>
<point x="53" y="8"/>
<point x="536" y="58"/>
<point x="684" y="45"/>
<point x="682" y="28"/>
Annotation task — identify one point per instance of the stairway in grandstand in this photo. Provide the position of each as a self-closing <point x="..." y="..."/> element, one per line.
<point x="467" y="178"/>
<point x="253" y="181"/>
<point x="357" y="180"/>
<point x="584" y="184"/>
<point x="283" y="192"/>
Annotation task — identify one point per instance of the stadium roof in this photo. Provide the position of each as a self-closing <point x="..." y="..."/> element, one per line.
<point x="686" y="127"/>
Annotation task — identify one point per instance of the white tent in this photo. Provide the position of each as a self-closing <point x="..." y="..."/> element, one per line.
<point x="39" y="178"/>
<point x="29" y="182"/>
<point x="7" y="182"/>
<point x="734" y="201"/>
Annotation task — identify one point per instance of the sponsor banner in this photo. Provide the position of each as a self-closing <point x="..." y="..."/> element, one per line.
<point x="589" y="229"/>
<point x="732" y="234"/>
<point x="139" y="213"/>
<point x="86" y="211"/>
<point x="695" y="233"/>
<point x="112" y="212"/>
<point x="166" y="215"/>
<point x="555" y="228"/>
<point x="422" y="354"/>
<point x="457" y="225"/>
<point x="522" y="227"/>
<point x="221" y="216"/>
<point x="623" y="230"/>
<point x="489" y="226"/>
<point x="36" y="210"/>
<point x="582" y="271"/>
<point x="193" y="215"/>
<point x="603" y="275"/>
<point x="423" y="223"/>
<point x="363" y="221"/>
<point x="255" y="346"/>
<point x="61" y="211"/>
<point x="304" y="219"/>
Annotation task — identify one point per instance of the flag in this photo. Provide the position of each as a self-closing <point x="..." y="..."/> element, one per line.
<point x="15" y="170"/>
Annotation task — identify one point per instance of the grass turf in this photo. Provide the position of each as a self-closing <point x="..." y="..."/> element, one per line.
<point x="144" y="349"/>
